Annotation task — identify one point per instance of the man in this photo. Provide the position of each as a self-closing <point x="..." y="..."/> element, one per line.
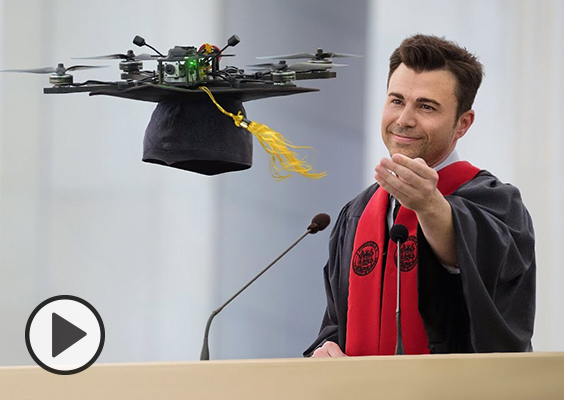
<point x="468" y="265"/>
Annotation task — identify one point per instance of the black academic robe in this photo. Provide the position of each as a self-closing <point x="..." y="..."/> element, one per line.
<point x="489" y="306"/>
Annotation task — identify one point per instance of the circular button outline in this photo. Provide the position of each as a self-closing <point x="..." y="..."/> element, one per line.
<point x="41" y="363"/>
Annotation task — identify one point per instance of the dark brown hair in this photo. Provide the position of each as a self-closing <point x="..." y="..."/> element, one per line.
<point x="429" y="53"/>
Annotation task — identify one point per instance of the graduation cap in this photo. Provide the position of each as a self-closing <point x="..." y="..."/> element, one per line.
<point x="205" y="130"/>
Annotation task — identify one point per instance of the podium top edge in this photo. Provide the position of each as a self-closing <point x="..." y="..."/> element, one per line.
<point x="273" y="361"/>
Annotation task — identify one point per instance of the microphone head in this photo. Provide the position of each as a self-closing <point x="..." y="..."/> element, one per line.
<point x="318" y="223"/>
<point x="399" y="233"/>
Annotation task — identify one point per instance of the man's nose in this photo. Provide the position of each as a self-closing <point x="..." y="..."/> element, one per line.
<point x="407" y="118"/>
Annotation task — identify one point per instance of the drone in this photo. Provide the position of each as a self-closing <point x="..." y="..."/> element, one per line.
<point x="187" y="74"/>
<point x="188" y="68"/>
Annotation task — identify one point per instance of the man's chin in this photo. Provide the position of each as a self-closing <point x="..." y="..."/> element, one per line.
<point x="411" y="153"/>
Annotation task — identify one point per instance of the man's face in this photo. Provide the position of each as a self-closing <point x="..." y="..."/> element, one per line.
<point x="420" y="113"/>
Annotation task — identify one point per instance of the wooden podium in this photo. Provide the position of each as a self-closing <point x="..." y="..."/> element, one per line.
<point x="474" y="376"/>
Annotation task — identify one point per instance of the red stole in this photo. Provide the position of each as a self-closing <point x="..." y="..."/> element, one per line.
<point x="371" y="318"/>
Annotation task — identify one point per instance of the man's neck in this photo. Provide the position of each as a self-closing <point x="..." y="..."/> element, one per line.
<point x="452" y="158"/>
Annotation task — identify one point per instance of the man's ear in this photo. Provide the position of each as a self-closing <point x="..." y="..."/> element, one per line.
<point x="464" y="123"/>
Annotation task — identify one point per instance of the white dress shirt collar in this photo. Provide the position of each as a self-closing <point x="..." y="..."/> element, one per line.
<point x="451" y="159"/>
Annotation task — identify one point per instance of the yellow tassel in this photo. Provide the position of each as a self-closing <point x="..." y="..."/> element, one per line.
<point x="283" y="161"/>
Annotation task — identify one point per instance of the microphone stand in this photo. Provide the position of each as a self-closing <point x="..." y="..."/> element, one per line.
<point x="399" y="234"/>
<point x="399" y="342"/>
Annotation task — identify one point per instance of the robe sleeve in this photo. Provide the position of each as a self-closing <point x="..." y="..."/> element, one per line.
<point x="496" y="257"/>
<point x="329" y="330"/>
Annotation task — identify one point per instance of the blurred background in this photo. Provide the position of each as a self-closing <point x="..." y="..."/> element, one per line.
<point x="155" y="249"/>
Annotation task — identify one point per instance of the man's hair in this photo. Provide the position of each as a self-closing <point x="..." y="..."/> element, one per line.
<point x="429" y="53"/>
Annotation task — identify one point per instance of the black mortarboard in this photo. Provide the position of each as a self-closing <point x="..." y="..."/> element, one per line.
<point x="194" y="136"/>
<point x="205" y="130"/>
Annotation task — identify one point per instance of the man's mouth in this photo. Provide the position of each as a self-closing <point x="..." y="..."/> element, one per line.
<point x="403" y="139"/>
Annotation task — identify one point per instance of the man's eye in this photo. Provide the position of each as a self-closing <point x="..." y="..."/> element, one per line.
<point x="427" y="107"/>
<point x="396" y="101"/>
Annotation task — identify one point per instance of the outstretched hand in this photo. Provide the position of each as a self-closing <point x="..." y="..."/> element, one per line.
<point x="412" y="183"/>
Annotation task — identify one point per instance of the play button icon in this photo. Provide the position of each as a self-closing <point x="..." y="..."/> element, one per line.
<point x="64" y="335"/>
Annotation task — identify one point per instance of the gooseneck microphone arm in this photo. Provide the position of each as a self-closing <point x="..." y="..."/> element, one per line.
<point x="205" y="355"/>
<point x="319" y="222"/>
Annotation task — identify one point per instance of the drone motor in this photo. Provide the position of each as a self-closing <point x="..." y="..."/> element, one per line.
<point x="284" y="77"/>
<point x="60" y="80"/>
<point x="130" y="69"/>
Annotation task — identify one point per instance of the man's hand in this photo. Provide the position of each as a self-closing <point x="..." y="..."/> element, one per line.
<point x="414" y="185"/>
<point x="329" y="349"/>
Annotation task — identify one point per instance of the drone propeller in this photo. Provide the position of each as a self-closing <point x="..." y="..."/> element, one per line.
<point x="281" y="66"/>
<point x="287" y="56"/>
<point x="297" y="67"/>
<point x="59" y="70"/>
<point x="129" y="56"/>
<point x="319" y="55"/>
<point x="312" y="66"/>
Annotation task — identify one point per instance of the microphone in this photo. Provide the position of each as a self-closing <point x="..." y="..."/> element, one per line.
<point x="318" y="223"/>
<point x="399" y="234"/>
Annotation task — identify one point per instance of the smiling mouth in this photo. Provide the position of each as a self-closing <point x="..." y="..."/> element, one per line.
<point x="403" y="139"/>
